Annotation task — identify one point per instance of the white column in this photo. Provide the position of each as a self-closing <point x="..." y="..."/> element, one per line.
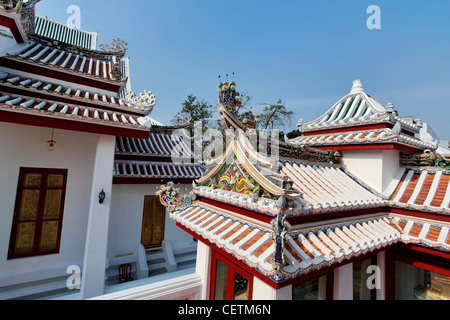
<point x="94" y="265"/>
<point x="343" y="282"/>
<point x="381" y="262"/>
<point x="203" y="266"/>
<point x="262" y="291"/>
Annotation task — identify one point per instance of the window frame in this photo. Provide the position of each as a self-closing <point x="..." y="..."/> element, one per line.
<point x="39" y="219"/>
<point x="232" y="269"/>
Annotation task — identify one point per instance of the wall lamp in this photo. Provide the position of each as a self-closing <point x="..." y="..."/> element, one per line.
<point x="51" y="144"/>
<point x="101" y="196"/>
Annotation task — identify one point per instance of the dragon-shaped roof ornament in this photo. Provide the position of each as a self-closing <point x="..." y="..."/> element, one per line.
<point x="229" y="104"/>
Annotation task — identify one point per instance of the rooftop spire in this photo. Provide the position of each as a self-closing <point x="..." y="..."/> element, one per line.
<point x="357" y="86"/>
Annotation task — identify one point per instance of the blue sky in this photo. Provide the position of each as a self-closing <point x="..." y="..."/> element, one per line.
<point x="306" y="53"/>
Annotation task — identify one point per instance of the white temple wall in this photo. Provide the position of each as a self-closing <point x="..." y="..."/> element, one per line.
<point x="26" y="146"/>
<point x="126" y="219"/>
<point x="374" y="167"/>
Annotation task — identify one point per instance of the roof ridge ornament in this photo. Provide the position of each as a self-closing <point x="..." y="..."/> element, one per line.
<point x="357" y="86"/>
<point x="117" y="47"/>
<point x="230" y="102"/>
<point x="145" y="100"/>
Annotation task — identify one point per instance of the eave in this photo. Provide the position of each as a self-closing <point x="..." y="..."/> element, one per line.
<point x="371" y="146"/>
<point x="47" y="121"/>
<point x="61" y="74"/>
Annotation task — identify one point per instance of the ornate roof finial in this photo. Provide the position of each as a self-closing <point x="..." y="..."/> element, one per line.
<point x="118" y="47"/>
<point x="357" y="86"/>
<point x="145" y="101"/>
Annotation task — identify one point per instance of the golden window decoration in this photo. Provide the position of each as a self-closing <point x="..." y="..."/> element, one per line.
<point x="38" y="213"/>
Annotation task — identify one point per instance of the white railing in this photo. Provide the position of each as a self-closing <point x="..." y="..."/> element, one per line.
<point x="141" y="262"/>
<point x="169" y="256"/>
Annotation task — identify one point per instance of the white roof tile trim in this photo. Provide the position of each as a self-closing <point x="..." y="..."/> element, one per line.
<point x="345" y="241"/>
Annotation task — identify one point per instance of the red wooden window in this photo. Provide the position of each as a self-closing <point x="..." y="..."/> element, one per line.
<point x="228" y="281"/>
<point x="38" y="213"/>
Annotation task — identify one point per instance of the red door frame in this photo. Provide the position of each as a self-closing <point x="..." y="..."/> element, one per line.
<point x="417" y="256"/>
<point x="231" y="270"/>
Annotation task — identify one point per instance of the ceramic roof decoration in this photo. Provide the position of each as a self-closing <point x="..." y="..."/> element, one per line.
<point x="426" y="159"/>
<point x="145" y="101"/>
<point x="229" y="101"/>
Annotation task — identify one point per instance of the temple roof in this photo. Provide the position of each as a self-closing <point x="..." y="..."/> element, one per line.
<point x="308" y="186"/>
<point x="424" y="232"/>
<point x="156" y="145"/>
<point x="156" y="170"/>
<point x="74" y="61"/>
<point x="288" y="216"/>
<point x="310" y="246"/>
<point x="356" y="109"/>
<point x="159" y="156"/>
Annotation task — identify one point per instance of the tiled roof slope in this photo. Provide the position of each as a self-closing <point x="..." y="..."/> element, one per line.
<point x="310" y="246"/>
<point x="80" y="96"/>
<point x="157" y="144"/>
<point x="160" y="156"/>
<point x="307" y="249"/>
<point x="51" y="57"/>
<point x="426" y="189"/>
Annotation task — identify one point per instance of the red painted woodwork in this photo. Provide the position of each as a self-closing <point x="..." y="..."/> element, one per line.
<point x="374" y="126"/>
<point x="334" y="215"/>
<point x="11" y="24"/>
<point x="236" y="261"/>
<point x="231" y="270"/>
<point x="120" y="180"/>
<point x="40" y="211"/>
<point x="421" y="214"/>
<point x="248" y="213"/>
<point x="372" y="146"/>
